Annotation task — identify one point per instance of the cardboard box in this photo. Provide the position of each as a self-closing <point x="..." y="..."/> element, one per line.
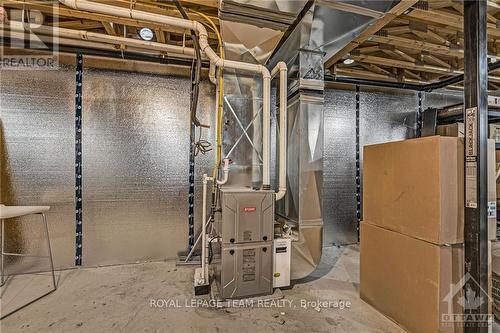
<point x="416" y="187"/>
<point x="415" y="283"/>
<point x="455" y="129"/>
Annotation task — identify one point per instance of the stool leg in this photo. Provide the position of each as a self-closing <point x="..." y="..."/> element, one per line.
<point x="50" y="250"/>
<point x="2" y="251"/>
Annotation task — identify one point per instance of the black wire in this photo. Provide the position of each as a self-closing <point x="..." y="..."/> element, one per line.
<point x="196" y="82"/>
<point x="202" y="146"/>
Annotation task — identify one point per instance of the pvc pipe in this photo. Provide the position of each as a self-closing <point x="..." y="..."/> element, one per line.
<point x="205" y="47"/>
<point x="204" y="266"/>
<point x="96" y="37"/>
<point x="48" y="39"/>
<point x="226" y="172"/>
<point x="283" y="71"/>
<point x="211" y="75"/>
<point x="256" y="138"/>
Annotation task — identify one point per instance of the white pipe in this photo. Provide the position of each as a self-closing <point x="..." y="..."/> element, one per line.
<point x="211" y="74"/>
<point x="283" y="71"/>
<point x="49" y="39"/>
<point x="226" y="172"/>
<point x="96" y="37"/>
<point x="205" y="47"/>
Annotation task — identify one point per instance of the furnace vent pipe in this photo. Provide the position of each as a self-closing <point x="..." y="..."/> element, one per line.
<point x="211" y="74"/>
<point x="225" y="171"/>
<point x="211" y="55"/>
<point x="283" y="72"/>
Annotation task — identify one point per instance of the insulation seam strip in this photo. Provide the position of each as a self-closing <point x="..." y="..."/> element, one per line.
<point x="78" y="160"/>
<point x="358" y="165"/>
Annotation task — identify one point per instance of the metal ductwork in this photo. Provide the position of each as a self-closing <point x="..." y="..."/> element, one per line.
<point x="304" y="34"/>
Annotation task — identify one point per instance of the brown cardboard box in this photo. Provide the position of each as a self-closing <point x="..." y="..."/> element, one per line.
<point x="410" y="280"/>
<point x="455" y="129"/>
<point x="416" y="187"/>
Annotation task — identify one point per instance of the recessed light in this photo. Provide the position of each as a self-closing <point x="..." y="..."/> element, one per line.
<point x="146" y="34"/>
<point x="348" y="61"/>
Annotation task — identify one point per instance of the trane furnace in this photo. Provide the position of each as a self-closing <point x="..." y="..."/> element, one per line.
<point x="247" y="230"/>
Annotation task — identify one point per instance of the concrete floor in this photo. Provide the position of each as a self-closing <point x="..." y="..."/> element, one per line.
<point x="118" y="299"/>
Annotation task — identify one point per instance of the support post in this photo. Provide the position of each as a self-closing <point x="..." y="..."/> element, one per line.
<point x="476" y="182"/>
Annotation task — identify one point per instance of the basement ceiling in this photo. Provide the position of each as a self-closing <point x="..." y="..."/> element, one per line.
<point x="414" y="42"/>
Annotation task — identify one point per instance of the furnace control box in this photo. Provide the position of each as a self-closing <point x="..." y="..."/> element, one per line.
<point x="247" y="232"/>
<point x="281" y="262"/>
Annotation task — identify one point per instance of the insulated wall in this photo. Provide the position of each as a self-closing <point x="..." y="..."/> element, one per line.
<point x="135" y="162"/>
<point x="383" y="117"/>
<point x="135" y="159"/>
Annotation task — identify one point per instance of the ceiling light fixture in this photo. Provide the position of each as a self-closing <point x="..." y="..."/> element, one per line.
<point x="348" y="61"/>
<point x="146" y="34"/>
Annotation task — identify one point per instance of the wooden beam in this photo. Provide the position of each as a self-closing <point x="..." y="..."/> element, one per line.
<point x="349" y="8"/>
<point x="397" y="10"/>
<point x="160" y="36"/>
<point x="61" y="11"/>
<point x="440" y="4"/>
<point x="77" y="24"/>
<point x="206" y="3"/>
<point x="491" y="18"/>
<point x="443" y="18"/>
<point x="375" y="69"/>
<point x="404" y="64"/>
<point x="109" y="28"/>
<point x="432" y="32"/>
<point x="437" y="61"/>
<point x="494" y="5"/>
<point x="417" y="45"/>
<point x="368" y="49"/>
<point x="362" y="74"/>
<point x="404" y="55"/>
<point x="410" y="73"/>
<point x="402" y="29"/>
<point x="432" y="36"/>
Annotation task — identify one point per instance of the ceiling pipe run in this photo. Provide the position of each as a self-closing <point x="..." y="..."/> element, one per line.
<point x="97" y="37"/>
<point x="406" y="86"/>
<point x="211" y="55"/>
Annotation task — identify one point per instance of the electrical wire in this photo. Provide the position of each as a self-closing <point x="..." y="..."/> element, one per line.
<point x="202" y="146"/>
<point x="197" y="76"/>
<point x="221" y="93"/>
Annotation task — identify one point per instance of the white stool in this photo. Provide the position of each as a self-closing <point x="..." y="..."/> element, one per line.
<point x="9" y="212"/>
